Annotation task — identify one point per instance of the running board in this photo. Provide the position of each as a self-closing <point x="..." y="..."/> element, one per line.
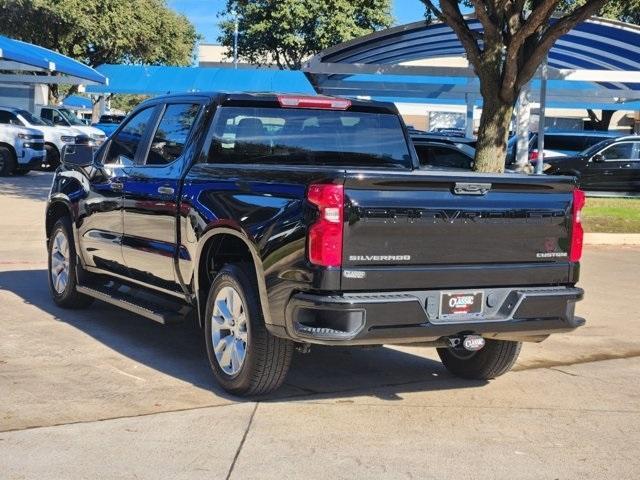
<point x="132" y="301"/>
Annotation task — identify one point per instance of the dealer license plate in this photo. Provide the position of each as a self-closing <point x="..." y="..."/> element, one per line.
<point x="461" y="304"/>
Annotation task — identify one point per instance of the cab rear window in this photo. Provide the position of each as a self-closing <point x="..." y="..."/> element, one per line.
<point x="308" y="137"/>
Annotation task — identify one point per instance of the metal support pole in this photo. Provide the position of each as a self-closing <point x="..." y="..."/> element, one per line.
<point x="543" y="107"/>
<point x="469" y="120"/>
<point x="235" y="37"/>
<point x="522" y="130"/>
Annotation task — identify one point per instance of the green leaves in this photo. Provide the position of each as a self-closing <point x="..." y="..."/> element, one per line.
<point x="289" y="31"/>
<point x="102" y="31"/>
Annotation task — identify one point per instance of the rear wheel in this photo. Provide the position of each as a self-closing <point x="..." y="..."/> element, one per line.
<point x="245" y="358"/>
<point x="7" y="162"/>
<point x="62" y="267"/>
<point x="494" y="359"/>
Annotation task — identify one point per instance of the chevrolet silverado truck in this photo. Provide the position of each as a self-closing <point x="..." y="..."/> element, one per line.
<point x="280" y="221"/>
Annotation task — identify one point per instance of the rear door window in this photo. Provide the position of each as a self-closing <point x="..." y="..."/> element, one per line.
<point x="308" y="137"/>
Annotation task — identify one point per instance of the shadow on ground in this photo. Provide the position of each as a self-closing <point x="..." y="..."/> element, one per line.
<point x="179" y="351"/>
<point x="33" y="186"/>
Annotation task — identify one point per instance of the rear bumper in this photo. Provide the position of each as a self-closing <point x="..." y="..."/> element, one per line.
<point x="527" y="314"/>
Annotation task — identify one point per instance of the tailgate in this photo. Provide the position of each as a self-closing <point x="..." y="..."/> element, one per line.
<point x="425" y="230"/>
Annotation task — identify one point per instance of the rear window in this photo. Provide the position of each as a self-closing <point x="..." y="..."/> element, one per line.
<point x="308" y="137"/>
<point x="567" y="143"/>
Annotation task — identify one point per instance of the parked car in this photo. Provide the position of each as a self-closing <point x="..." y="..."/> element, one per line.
<point x="21" y="148"/>
<point x="55" y="137"/>
<point x="64" y="117"/>
<point x="611" y="165"/>
<point x="435" y="152"/>
<point x="109" y="123"/>
<point x="558" y="144"/>
<point x="441" y="137"/>
<point x="281" y="221"/>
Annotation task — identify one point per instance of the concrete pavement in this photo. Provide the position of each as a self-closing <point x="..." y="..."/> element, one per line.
<point x="102" y="393"/>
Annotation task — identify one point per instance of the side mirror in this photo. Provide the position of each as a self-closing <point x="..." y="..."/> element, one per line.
<point x="597" y="158"/>
<point x="78" y="155"/>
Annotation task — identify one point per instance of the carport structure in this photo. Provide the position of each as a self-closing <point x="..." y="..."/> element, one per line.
<point x="24" y="62"/>
<point x="595" y="65"/>
<point x="23" y="66"/>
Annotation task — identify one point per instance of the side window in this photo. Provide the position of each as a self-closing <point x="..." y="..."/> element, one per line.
<point x="124" y="146"/>
<point x="620" y="151"/>
<point x="46" y="114"/>
<point x="9" y="118"/>
<point x="58" y="119"/>
<point x="172" y="133"/>
<point x="424" y="154"/>
<point x="449" y="158"/>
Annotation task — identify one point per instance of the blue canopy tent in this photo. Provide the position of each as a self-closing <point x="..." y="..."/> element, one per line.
<point x="77" y="101"/>
<point x="35" y="64"/>
<point x="157" y="80"/>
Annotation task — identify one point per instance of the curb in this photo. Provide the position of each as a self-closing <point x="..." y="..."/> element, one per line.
<point x="612" y="238"/>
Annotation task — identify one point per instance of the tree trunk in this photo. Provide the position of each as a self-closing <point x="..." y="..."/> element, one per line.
<point x="603" y="123"/>
<point x="491" y="149"/>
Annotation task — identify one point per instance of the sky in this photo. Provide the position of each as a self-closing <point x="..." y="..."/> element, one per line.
<point x="203" y="14"/>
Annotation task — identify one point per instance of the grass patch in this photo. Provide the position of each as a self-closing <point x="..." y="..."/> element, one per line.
<point x="612" y="215"/>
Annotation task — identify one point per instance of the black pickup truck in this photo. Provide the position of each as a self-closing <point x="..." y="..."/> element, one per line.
<point x="280" y="221"/>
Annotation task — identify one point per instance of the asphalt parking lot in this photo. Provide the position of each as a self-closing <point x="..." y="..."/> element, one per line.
<point x="102" y="393"/>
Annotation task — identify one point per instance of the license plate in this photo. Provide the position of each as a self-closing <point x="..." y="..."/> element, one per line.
<point x="461" y="304"/>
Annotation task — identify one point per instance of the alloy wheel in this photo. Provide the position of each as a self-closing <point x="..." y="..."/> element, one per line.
<point x="229" y="330"/>
<point x="59" y="262"/>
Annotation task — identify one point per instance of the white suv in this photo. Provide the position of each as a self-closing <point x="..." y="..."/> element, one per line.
<point x="64" y="117"/>
<point x="21" y="148"/>
<point x="54" y="137"/>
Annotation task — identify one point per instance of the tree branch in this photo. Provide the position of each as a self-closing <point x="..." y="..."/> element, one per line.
<point x="553" y="33"/>
<point x="491" y="32"/>
<point x="451" y="15"/>
<point x="429" y="4"/>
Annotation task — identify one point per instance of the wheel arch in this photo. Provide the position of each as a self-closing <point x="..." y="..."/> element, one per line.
<point x="51" y="144"/>
<point x="11" y="148"/>
<point x="55" y="211"/>
<point x="217" y="248"/>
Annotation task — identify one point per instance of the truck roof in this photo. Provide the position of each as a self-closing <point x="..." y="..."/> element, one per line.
<point x="272" y="99"/>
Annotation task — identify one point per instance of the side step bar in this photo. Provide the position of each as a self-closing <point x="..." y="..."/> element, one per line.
<point x="138" y="302"/>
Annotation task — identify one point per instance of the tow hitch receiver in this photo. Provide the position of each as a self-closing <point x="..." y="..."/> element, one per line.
<point x="472" y="343"/>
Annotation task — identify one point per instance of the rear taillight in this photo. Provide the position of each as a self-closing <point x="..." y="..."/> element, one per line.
<point x="577" y="232"/>
<point x="325" y="235"/>
<point x="533" y="156"/>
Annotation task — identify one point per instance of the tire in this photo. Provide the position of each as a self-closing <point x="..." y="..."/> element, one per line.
<point x="7" y="162"/>
<point x="52" y="158"/>
<point x="496" y="358"/>
<point x="241" y="331"/>
<point x="21" y="172"/>
<point x="62" y="267"/>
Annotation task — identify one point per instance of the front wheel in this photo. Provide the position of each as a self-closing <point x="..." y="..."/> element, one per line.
<point x="62" y="267"/>
<point x="494" y="359"/>
<point x="52" y="158"/>
<point x="245" y="358"/>
<point x="7" y="162"/>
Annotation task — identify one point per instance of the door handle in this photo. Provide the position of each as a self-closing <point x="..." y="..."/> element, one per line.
<point x="117" y="186"/>
<point x="165" y="190"/>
